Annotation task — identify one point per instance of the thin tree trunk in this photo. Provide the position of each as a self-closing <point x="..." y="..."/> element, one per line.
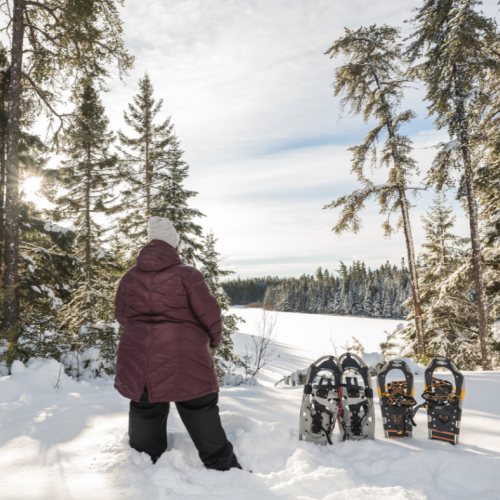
<point x="477" y="260"/>
<point x="477" y="257"/>
<point x="3" y="148"/>
<point x="413" y="273"/>
<point x="148" y="168"/>
<point x="11" y="305"/>
<point x="409" y="245"/>
<point x="88" y="268"/>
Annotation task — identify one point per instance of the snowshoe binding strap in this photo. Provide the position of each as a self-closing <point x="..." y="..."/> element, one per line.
<point x="319" y="410"/>
<point x="396" y="393"/>
<point x="440" y="392"/>
<point x="443" y="401"/>
<point x="356" y="411"/>
<point x="396" y="400"/>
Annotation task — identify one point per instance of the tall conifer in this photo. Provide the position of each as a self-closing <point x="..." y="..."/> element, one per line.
<point x="371" y="82"/>
<point x="87" y="179"/>
<point x="450" y="49"/>
<point x="447" y="292"/>
<point x="155" y="175"/>
<point x="225" y="355"/>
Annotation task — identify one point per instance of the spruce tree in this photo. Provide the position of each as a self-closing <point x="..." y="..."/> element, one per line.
<point x="52" y="45"/>
<point x="170" y="200"/>
<point x="155" y="172"/>
<point x="450" y="49"/>
<point x="447" y="292"/>
<point x="372" y="82"/>
<point x="87" y="178"/>
<point x="224" y="356"/>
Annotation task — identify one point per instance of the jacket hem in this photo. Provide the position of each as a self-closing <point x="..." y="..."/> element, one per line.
<point x="169" y="399"/>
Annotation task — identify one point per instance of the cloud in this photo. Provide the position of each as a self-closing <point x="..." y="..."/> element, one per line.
<point x="249" y="89"/>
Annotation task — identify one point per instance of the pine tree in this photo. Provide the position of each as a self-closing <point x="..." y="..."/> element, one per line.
<point x="87" y="178"/>
<point x="155" y="175"/>
<point x="451" y="51"/>
<point x="447" y="288"/>
<point x="224" y="356"/>
<point x="372" y="82"/>
<point x="170" y="200"/>
<point x="52" y="45"/>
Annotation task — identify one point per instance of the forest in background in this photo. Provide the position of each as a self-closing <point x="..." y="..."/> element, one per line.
<point x="355" y="291"/>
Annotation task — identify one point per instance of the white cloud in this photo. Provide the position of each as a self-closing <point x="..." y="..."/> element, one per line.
<point x="248" y="87"/>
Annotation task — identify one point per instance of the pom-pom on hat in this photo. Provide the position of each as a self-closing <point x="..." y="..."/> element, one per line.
<point x="164" y="230"/>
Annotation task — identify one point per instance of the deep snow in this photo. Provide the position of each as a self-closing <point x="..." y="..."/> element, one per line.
<point x="70" y="442"/>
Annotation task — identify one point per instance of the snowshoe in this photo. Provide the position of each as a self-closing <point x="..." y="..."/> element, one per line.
<point x="396" y="401"/>
<point x="319" y="410"/>
<point x="443" y="401"/>
<point x="356" y="410"/>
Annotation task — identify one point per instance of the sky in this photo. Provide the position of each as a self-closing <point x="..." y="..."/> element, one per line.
<point x="248" y="88"/>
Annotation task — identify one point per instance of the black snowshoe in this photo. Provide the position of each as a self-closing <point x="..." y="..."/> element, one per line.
<point x="396" y="401"/>
<point x="356" y="410"/>
<point x="319" y="410"/>
<point x="443" y="401"/>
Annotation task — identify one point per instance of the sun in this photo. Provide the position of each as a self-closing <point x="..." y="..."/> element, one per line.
<point x="31" y="185"/>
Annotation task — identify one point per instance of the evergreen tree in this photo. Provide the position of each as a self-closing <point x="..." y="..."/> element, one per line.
<point x="451" y="49"/>
<point x="224" y="355"/>
<point x="356" y="292"/>
<point x="170" y="200"/>
<point x="447" y="291"/>
<point x="87" y="178"/>
<point x="155" y="175"/>
<point x="52" y="45"/>
<point x="372" y="82"/>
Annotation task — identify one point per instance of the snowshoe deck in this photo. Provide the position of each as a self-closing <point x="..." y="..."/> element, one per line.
<point x="396" y="401"/>
<point x="356" y="410"/>
<point x="319" y="410"/>
<point x="443" y="401"/>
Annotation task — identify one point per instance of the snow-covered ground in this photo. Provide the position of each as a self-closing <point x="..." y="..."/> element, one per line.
<point x="70" y="443"/>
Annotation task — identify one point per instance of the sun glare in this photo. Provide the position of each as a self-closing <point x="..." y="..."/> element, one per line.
<point x="30" y="187"/>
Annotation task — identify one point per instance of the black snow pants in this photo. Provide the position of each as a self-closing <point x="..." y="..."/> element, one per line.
<point x="148" y="429"/>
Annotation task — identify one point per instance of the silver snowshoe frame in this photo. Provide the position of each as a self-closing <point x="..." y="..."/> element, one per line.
<point x="319" y="410"/>
<point x="356" y="409"/>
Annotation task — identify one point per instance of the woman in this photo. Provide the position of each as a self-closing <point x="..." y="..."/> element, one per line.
<point x="170" y="321"/>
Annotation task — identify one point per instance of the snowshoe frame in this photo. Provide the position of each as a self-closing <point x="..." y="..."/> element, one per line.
<point x="396" y="401"/>
<point x="356" y="409"/>
<point x="319" y="410"/>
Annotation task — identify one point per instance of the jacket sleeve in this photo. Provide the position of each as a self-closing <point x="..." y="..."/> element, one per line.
<point x="205" y="307"/>
<point x="120" y="303"/>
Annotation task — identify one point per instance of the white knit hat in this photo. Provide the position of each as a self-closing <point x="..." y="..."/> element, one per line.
<point x="162" y="229"/>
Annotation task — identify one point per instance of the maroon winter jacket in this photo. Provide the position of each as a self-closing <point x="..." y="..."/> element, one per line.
<point x="170" y="320"/>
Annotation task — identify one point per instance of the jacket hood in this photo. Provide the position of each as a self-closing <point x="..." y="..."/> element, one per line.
<point x="156" y="256"/>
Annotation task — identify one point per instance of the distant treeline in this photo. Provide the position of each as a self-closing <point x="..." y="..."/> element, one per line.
<point x="354" y="291"/>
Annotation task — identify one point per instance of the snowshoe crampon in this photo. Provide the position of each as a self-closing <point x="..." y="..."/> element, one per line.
<point x="396" y="401"/>
<point x="443" y="401"/>
<point x="356" y="410"/>
<point x="319" y="410"/>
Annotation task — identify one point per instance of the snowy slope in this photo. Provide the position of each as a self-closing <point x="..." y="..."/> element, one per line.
<point x="71" y="444"/>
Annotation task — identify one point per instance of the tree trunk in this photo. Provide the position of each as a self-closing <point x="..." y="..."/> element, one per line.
<point x="148" y="170"/>
<point x="412" y="267"/>
<point x="3" y="150"/>
<point x="88" y="268"/>
<point x="477" y="260"/>
<point x="413" y="273"/>
<point x="11" y="305"/>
